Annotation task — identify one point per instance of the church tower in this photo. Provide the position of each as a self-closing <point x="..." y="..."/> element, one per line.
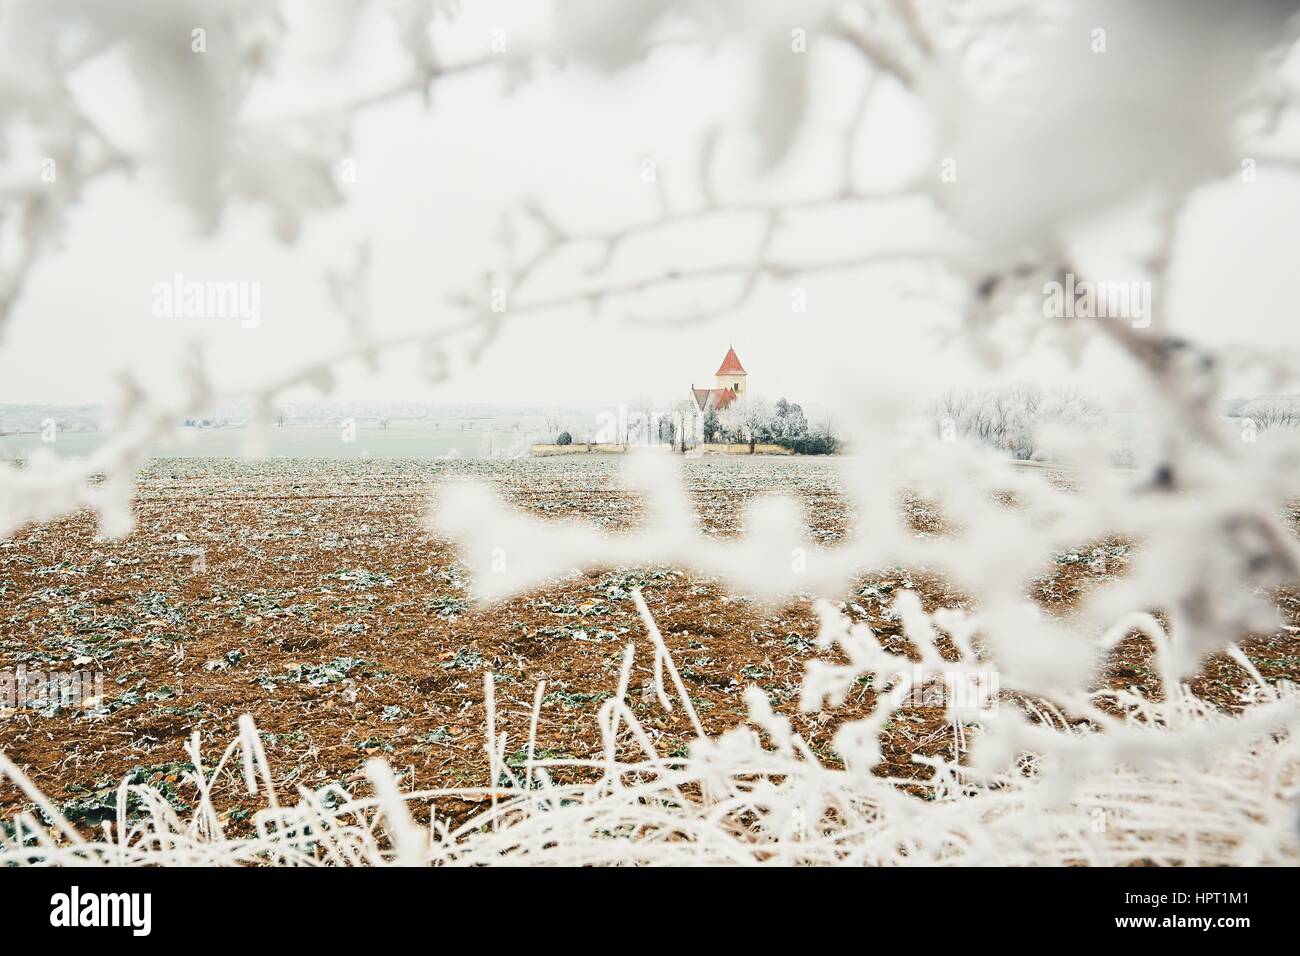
<point x="731" y="374"/>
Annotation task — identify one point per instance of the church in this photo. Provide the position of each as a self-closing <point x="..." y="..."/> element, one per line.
<point x="730" y="379"/>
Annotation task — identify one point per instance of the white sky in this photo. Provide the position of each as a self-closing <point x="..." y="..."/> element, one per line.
<point x="434" y="184"/>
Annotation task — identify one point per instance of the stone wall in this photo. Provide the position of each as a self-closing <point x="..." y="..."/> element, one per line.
<point x="580" y="448"/>
<point x="760" y="448"/>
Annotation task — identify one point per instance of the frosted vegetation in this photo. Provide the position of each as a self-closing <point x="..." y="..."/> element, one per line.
<point x="1062" y="770"/>
<point x="1015" y="419"/>
<point x="1266" y="413"/>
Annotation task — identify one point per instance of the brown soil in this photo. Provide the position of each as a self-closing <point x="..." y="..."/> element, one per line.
<point x="337" y="666"/>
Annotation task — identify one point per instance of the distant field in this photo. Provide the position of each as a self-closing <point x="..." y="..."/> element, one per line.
<point x="475" y="440"/>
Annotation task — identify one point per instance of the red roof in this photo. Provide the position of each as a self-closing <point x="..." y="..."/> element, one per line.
<point x="731" y="365"/>
<point x="721" y="397"/>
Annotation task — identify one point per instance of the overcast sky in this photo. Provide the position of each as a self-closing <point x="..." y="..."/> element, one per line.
<point x="432" y="187"/>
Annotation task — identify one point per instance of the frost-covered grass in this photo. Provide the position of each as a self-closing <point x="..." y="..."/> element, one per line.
<point x="1196" y="787"/>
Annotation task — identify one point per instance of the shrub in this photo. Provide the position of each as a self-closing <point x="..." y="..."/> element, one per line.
<point x="813" y="443"/>
<point x="564" y="438"/>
